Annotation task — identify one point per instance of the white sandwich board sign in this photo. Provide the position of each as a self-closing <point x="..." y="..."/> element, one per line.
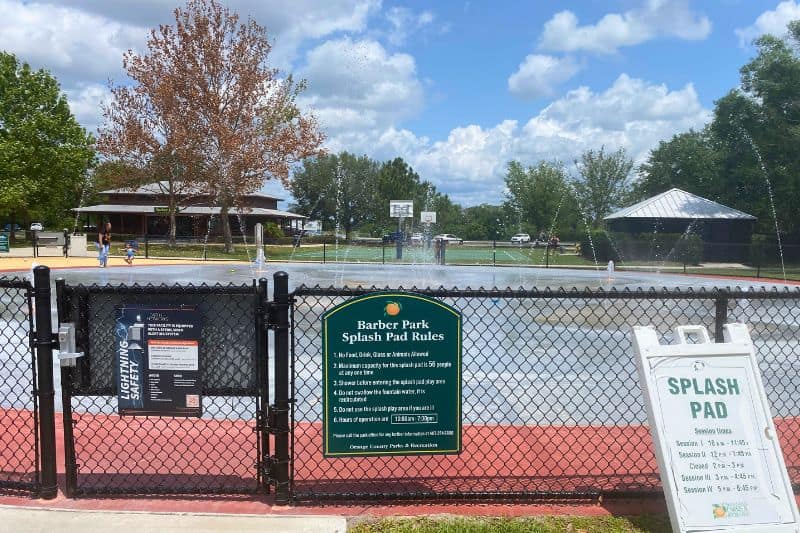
<point x="718" y="453"/>
<point x="401" y="208"/>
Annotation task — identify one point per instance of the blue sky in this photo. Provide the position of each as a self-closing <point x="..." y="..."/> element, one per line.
<point x="456" y="88"/>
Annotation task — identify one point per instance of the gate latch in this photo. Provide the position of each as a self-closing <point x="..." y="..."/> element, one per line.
<point x="67" y="352"/>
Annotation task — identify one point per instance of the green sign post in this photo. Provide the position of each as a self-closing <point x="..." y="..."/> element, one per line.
<point x="391" y="376"/>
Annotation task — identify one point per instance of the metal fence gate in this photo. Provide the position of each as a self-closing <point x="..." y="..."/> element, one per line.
<point x="551" y="401"/>
<point x="27" y="435"/>
<point x="222" y="452"/>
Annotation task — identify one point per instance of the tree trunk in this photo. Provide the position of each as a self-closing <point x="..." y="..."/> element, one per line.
<point x="173" y="224"/>
<point x="226" y="229"/>
<point x="12" y="234"/>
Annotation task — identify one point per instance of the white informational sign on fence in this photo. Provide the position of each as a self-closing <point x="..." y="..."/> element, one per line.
<point x="401" y="208"/>
<point x="715" y="441"/>
<point x="427" y="217"/>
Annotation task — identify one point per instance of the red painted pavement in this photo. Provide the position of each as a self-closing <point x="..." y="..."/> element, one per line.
<point x="519" y="458"/>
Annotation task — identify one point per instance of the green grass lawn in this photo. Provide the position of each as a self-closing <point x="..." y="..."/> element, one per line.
<point x="536" y="524"/>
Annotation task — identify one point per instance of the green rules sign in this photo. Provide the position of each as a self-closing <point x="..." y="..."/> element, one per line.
<point x="391" y="376"/>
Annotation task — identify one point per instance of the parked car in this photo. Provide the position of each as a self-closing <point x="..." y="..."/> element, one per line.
<point x="394" y="237"/>
<point x="7" y="227"/>
<point x="37" y="226"/>
<point x="417" y="238"/>
<point x="448" y="238"/>
<point x="520" y="238"/>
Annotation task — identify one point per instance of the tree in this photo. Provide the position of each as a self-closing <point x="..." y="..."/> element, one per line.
<point x="398" y="181"/>
<point x="758" y="128"/>
<point x="44" y="152"/>
<point x="691" y="161"/>
<point x="336" y="189"/>
<point x="539" y="197"/>
<point x="485" y="222"/>
<point x="206" y="102"/>
<point x="603" y="182"/>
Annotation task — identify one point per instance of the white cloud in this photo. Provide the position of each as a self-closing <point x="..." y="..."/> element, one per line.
<point x="73" y="44"/>
<point x="470" y="163"/>
<point x="773" y="22"/>
<point x="85" y="101"/>
<point x="538" y="75"/>
<point x="359" y="85"/>
<point x="288" y="23"/>
<point x="83" y="41"/>
<point x="403" y="22"/>
<point x="656" y="18"/>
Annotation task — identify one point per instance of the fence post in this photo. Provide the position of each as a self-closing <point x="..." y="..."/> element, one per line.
<point x="281" y="328"/>
<point x="759" y="255"/>
<point x="720" y="318"/>
<point x="262" y="367"/>
<point x="46" y="392"/>
<point x="70" y="473"/>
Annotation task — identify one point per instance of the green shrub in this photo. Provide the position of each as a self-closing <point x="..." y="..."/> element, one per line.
<point x="601" y="243"/>
<point x="688" y="250"/>
<point x="659" y="247"/>
<point x="272" y="231"/>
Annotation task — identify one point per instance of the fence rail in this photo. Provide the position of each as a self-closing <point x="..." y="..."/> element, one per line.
<point x="551" y="401"/>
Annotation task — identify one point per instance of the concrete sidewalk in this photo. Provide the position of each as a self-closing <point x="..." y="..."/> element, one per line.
<point x="26" y="519"/>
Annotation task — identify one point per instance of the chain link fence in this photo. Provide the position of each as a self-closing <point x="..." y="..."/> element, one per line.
<point x="19" y="438"/>
<point x="551" y="400"/>
<point x="218" y="453"/>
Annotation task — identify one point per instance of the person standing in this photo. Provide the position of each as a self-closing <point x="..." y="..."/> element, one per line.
<point x="104" y="244"/>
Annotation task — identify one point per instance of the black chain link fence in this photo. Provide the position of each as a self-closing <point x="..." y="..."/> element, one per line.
<point x="219" y="453"/>
<point x="551" y="400"/>
<point x="19" y="442"/>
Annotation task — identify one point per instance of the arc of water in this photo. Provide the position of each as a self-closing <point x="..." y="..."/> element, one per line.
<point x="88" y="179"/>
<point x="757" y="153"/>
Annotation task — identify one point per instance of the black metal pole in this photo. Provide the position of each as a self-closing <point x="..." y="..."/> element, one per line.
<point x="71" y="468"/>
<point x="262" y="367"/>
<point x="494" y="252"/>
<point x="759" y="255"/>
<point x="323" y="252"/>
<point x="443" y="252"/>
<point x="720" y="317"/>
<point x="547" y="255"/>
<point x="146" y="247"/>
<point x="46" y="393"/>
<point x="281" y="328"/>
<point x="35" y="247"/>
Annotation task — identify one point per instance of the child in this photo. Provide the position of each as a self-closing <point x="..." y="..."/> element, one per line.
<point x="130" y="253"/>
